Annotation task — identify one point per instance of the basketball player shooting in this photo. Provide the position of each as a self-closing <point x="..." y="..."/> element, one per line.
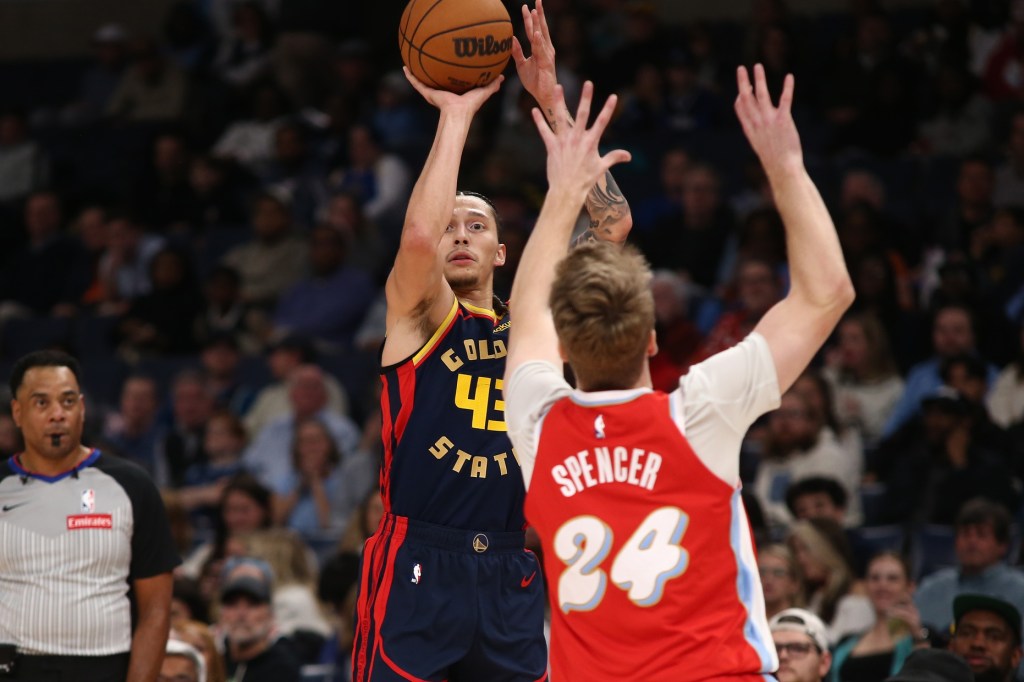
<point x="447" y="590"/>
<point x="634" y="493"/>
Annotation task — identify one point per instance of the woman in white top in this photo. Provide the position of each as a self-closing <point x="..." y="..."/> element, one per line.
<point x="1006" y="399"/>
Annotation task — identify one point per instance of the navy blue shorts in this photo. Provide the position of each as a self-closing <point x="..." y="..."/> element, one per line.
<point x="438" y="603"/>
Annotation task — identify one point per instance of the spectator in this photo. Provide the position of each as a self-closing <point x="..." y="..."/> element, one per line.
<point x="200" y="636"/>
<point x="91" y="231"/>
<point x="24" y="166"/>
<point x="975" y="186"/>
<point x="982" y="539"/>
<point x="952" y="334"/>
<point x="212" y="199"/>
<point x="244" y="507"/>
<point x="124" y="268"/>
<point x="161" y="321"/>
<point x="299" y="617"/>
<point x="368" y="248"/>
<point x="321" y="491"/>
<point x="694" y="240"/>
<point x="678" y="336"/>
<point x="251" y="645"/>
<point x="933" y="664"/>
<point x="160" y="196"/>
<point x="802" y="643"/>
<point x="937" y="462"/>
<point x="182" y="663"/>
<point x="758" y="287"/>
<point x="100" y="80"/>
<point x="191" y="407"/>
<point x="796" y="447"/>
<point x="224" y="312"/>
<point x="865" y="381"/>
<point x="295" y="174"/>
<point x="267" y="456"/>
<point x="36" y="277"/>
<point x="135" y="432"/>
<point x="882" y="650"/>
<point x="250" y="141"/>
<point x="274" y="260"/>
<point x="220" y="358"/>
<point x="204" y="481"/>
<point x="780" y="579"/>
<point x="151" y="90"/>
<point x="987" y="635"/>
<point x="285" y="355"/>
<point x="833" y="591"/>
<point x="817" y="497"/>
<point x="668" y="200"/>
<point x="329" y="306"/>
<point x="243" y="57"/>
<point x="961" y="117"/>
<point x="380" y="179"/>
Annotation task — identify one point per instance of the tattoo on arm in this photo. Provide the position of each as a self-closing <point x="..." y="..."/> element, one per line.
<point x="606" y="206"/>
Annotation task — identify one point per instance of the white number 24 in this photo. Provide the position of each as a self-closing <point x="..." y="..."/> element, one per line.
<point x="650" y="558"/>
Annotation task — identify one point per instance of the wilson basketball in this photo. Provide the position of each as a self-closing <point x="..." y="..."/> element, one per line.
<point x="455" y="44"/>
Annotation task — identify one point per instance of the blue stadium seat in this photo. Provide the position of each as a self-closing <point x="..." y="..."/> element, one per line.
<point x="934" y="548"/>
<point x="872" y="503"/>
<point x="871" y="540"/>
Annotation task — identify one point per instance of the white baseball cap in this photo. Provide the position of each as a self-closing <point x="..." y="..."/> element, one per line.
<point x="802" y="621"/>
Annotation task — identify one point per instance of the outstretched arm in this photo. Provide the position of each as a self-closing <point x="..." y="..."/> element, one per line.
<point x="610" y="217"/>
<point x="573" y="164"/>
<point x="820" y="287"/>
<point x="416" y="286"/>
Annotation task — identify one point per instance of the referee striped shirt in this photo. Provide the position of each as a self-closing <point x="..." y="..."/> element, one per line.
<point x="70" y="547"/>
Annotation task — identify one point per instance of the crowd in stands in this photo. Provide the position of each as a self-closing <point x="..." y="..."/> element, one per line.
<point x="206" y="218"/>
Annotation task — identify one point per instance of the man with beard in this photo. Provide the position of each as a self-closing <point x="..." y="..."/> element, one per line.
<point x="801" y="641"/>
<point x="252" y="650"/>
<point x="987" y="636"/>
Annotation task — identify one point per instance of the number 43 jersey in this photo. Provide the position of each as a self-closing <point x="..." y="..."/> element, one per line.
<point x="447" y="456"/>
<point x="647" y="551"/>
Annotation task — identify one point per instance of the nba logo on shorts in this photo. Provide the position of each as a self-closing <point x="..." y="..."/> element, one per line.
<point x="88" y="501"/>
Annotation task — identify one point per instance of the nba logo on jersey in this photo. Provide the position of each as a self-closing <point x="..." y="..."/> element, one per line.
<point x="88" y="501"/>
<point x="416" y="573"/>
<point x="599" y="426"/>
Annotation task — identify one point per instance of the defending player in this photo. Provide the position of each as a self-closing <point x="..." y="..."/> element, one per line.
<point x="447" y="590"/>
<point x="634" y="493"/>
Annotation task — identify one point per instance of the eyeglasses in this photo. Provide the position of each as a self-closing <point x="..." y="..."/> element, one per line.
<point x="795" y="649"/>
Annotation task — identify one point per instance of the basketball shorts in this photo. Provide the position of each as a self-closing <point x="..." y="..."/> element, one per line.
<point x="438" y="603"/>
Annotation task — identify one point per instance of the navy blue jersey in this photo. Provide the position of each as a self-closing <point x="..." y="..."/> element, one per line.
<point x="447" y="456"/>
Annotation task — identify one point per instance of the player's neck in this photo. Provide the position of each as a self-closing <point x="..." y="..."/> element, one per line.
<point x="479" y="297"/>
<point x="38" y="463"/>
<point x="642" y="381"/>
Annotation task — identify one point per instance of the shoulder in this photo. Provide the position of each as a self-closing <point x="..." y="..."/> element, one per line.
<point x="940" y="580"/>
<point x="125" y="472"/>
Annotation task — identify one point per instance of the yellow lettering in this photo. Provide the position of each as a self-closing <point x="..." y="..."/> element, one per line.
<point x="470" y="349"/>
<point x="500" y="459"/>
<point x="441" y="447"/>
<point x="499" y="349"/>
<point x="516" y="457"/>
<point x="451" y="360"/>
<point x="479" y="469"/>
<point x="463" y="458"/>
<point x="478" y="403"/>
<point x="499" y="405"/>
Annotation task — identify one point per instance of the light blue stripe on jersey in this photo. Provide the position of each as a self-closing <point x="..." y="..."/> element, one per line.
<point x="755" y="629"/>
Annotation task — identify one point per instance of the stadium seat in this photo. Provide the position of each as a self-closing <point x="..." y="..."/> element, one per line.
<point x="872" y="503"/>
<point x="934" y="548"/>
<point x="871" y="540"/>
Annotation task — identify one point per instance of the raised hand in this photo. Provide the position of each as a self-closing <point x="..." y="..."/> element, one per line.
<point x="537" y="72"/>
<point x="574" y="161"/>
<point x="469" y="101"/>
<point x="769" y="128"/>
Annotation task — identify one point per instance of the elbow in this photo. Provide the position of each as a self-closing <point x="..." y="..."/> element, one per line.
<point x="418" y="237"/>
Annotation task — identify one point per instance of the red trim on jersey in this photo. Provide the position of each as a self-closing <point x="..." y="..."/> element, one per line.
<point x="406" y="375"/>
<point x="380" y="605"/>
<point x="385" y="437"/>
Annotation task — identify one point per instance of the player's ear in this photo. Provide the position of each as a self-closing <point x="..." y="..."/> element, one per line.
<point x="16" y="412"/>
<point x="652" y="345"/>
<point x="499" y="256"/>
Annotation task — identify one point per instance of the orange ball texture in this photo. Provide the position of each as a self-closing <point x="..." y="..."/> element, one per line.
<point x="455" y="45"/>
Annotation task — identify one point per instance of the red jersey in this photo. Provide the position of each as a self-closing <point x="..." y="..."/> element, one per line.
<point x="647" y="551"/>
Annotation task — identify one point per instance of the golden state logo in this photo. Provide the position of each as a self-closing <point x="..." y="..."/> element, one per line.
<point x="481" y="543"/>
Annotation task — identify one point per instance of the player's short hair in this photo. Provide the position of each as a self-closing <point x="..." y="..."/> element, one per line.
<point x="813" y="486"/>
<point x="603" y="311"/>
<point x="42" y="358"/>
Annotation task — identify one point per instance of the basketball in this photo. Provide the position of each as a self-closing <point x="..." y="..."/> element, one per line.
<point x="455" y="44"/>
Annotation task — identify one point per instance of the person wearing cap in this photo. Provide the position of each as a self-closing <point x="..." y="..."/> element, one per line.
<point x="933" y="665"/>
<point x="801" y="641"/>
<point x="252" y="649"/>
<point x="987" y="635"/>
<point x="182" y="663"/>
<point x="982" y="539"/>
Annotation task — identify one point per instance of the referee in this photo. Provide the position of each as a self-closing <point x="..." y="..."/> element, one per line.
<point x="84" y="545"/>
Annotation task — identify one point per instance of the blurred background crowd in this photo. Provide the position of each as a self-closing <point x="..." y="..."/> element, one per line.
<point x="205" y="217"/>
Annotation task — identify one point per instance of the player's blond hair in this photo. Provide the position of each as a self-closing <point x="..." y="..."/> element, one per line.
<point x="603" y="311"/>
